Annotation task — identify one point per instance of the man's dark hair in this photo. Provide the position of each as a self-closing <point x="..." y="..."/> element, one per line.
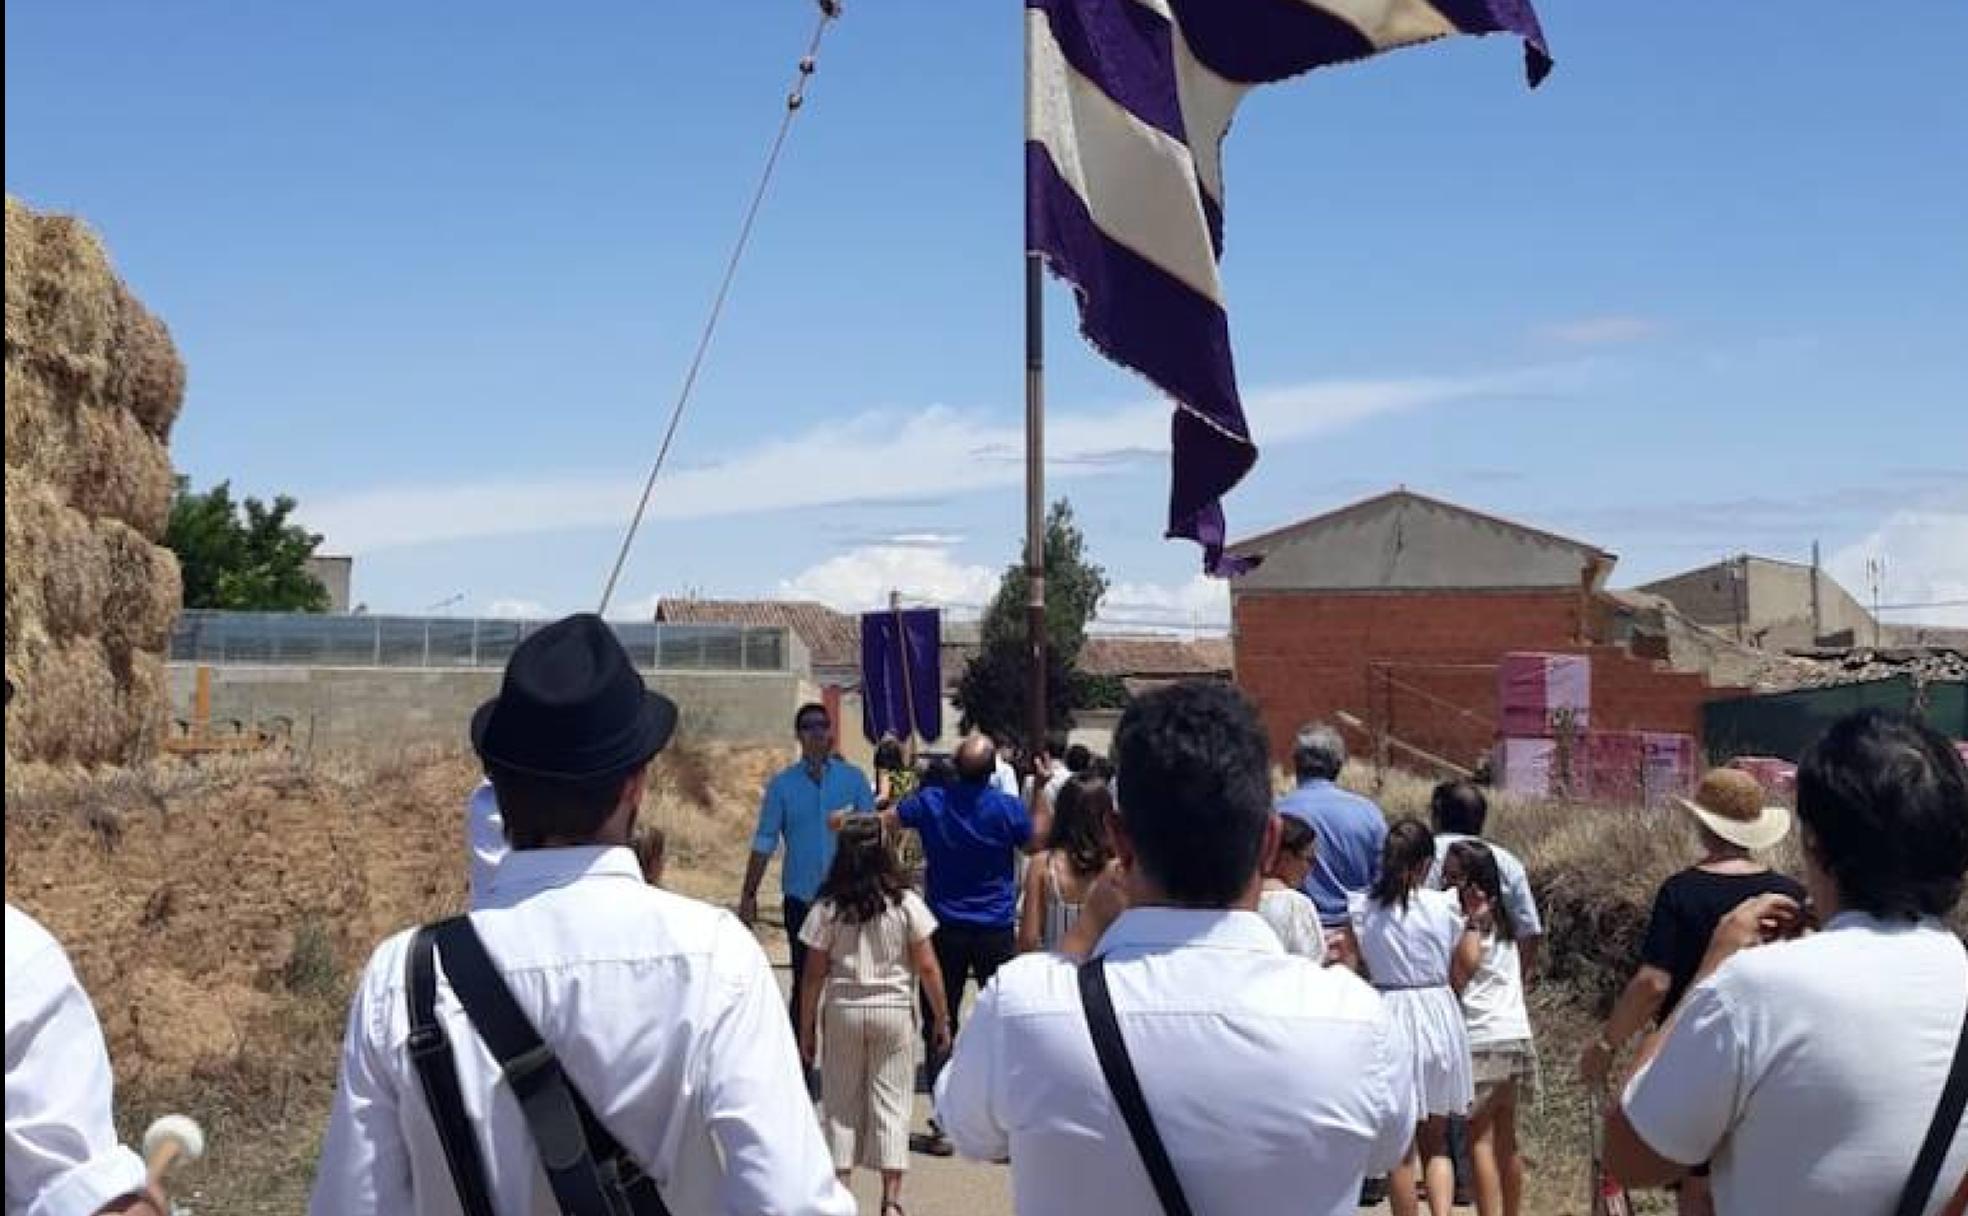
<point x="1886" y="802"/>
<point x="1195" y="791"/>
<point x="1055" y="745"/>
<point x="1078" y="758"/>
<point x="537" y="809"/>
<point x="811" y="707"/>
<point x="1459" y="807"/>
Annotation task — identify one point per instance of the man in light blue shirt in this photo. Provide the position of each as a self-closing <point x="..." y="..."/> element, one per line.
<point x="795" y="809"/>
<point x="1351" y="830"/>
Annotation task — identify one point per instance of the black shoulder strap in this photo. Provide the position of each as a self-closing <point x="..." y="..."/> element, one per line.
<point x="1940" y="1134"/>
<point x="430" y="1051"/>
<point x="1118" y="1068"/>
<point x="591" y="1173"/>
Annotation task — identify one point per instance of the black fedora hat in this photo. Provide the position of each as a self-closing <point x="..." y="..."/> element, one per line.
<point x="572" y="706"/>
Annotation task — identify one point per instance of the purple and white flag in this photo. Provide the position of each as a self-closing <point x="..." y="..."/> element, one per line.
<point x="1127" y="104"/>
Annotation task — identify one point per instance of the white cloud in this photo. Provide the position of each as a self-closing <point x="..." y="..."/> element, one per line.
<point x="1201" y="601"/>
<point x="1600" y="331"/>
<point x="1925" y="550"/>
<point x="861" y="579"/>
<point x="931" y="453"/>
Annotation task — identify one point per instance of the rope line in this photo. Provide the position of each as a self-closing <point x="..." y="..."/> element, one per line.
<point x="829" y="11"/>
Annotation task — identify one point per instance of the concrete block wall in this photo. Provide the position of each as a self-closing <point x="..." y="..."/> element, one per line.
<point x="352" y="708"/>
<point x="1412" y="660"/>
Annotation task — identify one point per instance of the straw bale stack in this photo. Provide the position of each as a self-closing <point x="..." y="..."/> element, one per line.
<point x="93" y="386"/>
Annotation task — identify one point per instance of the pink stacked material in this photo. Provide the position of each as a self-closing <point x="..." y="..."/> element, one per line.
<point x="1777" y="777"/>
<point x="1537" y="691"/>
<point x="1639" y="768"/>
<point x="1670" y="763"/>
<point x="1530" y="768"/>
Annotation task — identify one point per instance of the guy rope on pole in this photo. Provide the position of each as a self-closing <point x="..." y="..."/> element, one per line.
<point x="829" y="11"/>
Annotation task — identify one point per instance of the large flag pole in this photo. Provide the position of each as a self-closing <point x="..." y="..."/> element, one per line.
<point x="1035" y="622"/>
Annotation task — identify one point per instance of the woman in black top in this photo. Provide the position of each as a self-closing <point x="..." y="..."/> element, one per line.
<point x="1734" y="823"/>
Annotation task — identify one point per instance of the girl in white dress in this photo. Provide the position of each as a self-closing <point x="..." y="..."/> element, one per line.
<point x="1413" y="942"/>
<point x="1504" y="1062"/>
<point x="1288" y="910"/>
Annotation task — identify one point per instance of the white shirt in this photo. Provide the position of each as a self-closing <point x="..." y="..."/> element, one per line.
<point x="1493" y="1000"/>
<point x="62" y="1155"/>
<point x="1409" y="947"/>
<point x="485" y="837"/>
<point x="1809" y="1071"/>
<point x="1276" y="1084"/>
<point x="1005" y="779"/>
<point x="663" y="1013"/>
<point x="1295" y="919"/>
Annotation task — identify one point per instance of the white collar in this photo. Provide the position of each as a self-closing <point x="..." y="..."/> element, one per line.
<point x="1207" y="928"/>
<point x="523" y="873"/>
<point x="1853" y="918"/>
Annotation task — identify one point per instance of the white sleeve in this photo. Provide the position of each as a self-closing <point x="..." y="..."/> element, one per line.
<point x="967" y="1104"/>
<point x="1520" y="902"/>
<point x="364" y="1168"/>
<point x="1685" y="1102"/>
<point x="754" y="1097"/>
<point x="62" y="1155"/>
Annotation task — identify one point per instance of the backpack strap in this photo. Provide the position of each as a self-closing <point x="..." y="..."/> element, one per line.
<point x="589" y="1170"/>
<point x="437" y="1072"/>
<point x="1940" y="1134"/>
<point x="1118" y="1068"/>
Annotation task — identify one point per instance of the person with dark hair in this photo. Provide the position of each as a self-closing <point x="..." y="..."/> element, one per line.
<point x="1058" y="880"/>
<point x="1459" y="811"/>
<point x="1277" y="1084"/>
<point x="868" y="942"/>
<point x="1503" y="1061"/>
<point x="1078" y="758"/>
<point x="1417" y="943"/>
<point x="896" y="778"/>
<point x="798" y="809"/>
<point x="659" y="1014"/>
<point x="1283" y="904"/>
<point x="1351" y="829"/>
<point x="1733" y="822"/>
<point x="1807" y="1067"/>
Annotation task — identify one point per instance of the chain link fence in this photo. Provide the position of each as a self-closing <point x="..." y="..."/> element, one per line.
<point x="284" y="639"/>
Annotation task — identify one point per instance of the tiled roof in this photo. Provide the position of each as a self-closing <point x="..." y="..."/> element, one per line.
<point x="833" y="639"/>
<point x="1153" y="656"/>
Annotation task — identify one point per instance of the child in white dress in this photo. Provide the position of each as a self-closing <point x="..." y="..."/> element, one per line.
<point x="1414" y="942"/>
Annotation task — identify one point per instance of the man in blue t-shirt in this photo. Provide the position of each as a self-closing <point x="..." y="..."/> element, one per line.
<point x="797" y="808"/>
<point x="972" y="833"/>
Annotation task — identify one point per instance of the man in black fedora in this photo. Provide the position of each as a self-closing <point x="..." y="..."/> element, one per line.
<point x="660" y="1012"/>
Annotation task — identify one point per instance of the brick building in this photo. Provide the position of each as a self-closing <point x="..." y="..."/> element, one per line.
<point x="1394" y="611"/>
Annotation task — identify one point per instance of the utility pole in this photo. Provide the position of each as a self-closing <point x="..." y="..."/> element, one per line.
<point x="1817" y="613"/>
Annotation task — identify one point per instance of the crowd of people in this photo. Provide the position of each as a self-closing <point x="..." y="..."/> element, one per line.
<point x="1189" y="995"/>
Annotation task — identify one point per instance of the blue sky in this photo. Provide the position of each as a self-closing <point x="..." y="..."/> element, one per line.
<point x="437" y="270"/>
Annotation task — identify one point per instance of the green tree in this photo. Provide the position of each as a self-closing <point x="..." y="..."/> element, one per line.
<point x="991" y="691"/>
<point x="242" y="556"/>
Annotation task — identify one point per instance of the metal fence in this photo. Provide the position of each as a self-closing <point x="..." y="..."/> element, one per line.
<point x="284" y="639"/>
<point x="1784" y="724"/>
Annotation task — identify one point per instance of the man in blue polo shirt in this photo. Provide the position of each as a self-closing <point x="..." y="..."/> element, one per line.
<point x="797" y="808"/>
<point x="1351" y="830"/>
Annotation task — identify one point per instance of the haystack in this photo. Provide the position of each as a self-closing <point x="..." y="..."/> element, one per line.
<point x="93" y="386"/>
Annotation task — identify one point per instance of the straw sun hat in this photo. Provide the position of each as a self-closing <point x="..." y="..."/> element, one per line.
<point x="1729" y="803"/>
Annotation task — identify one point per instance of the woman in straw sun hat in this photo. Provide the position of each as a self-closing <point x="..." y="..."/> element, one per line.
<point x="1734" y="821"/>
